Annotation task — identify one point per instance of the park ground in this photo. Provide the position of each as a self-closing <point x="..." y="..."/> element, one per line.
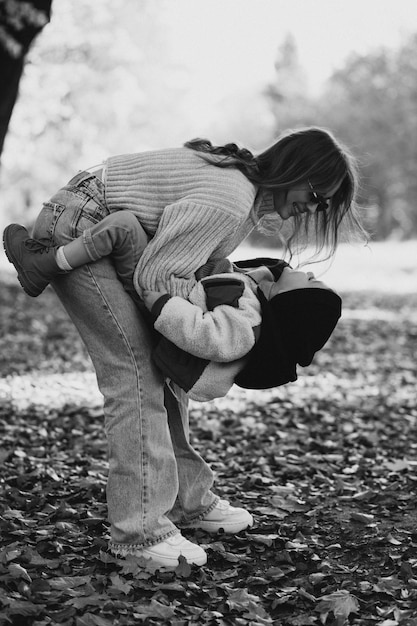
<point x="326" y="465"/>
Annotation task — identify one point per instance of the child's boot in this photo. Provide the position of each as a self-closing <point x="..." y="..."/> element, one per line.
<point x="35" y="263"/>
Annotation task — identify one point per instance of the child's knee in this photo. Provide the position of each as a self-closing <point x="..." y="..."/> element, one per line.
<point x="128" y="222"/>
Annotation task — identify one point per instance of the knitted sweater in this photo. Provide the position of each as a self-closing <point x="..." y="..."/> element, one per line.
<point x="193" y="211"/>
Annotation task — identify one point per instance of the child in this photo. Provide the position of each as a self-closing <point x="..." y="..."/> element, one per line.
<point x="296" y="316"/>
<point x="252" y="323"/>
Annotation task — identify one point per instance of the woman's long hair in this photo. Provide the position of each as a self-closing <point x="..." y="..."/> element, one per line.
<point x="308" y="154"/>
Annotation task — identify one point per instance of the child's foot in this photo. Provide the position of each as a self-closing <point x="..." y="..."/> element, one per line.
<point x="224" y="517"/>
<point x="167" y="553"/>
<point x="35" y="263"/>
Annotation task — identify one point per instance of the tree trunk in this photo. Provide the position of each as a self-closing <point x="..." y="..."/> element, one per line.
<point x="10" y="73"/>
<point x="19" y="25"/>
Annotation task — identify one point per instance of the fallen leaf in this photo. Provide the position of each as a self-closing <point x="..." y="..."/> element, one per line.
<point x="364" y="518"/>
<point x="17" y="571"/>
<point x="154" y="609"/>
<point x="340" y="603"/>
<point x="120" y="585"/>
<point x="184" y="568"/>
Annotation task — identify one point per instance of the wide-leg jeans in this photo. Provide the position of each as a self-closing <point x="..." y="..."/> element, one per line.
<point x="156" y="480"/>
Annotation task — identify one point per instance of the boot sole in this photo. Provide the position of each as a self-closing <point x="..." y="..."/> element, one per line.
<point x="27" y="286"/>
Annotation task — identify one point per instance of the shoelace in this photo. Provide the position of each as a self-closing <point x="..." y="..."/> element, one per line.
<point x="33" y="245"/>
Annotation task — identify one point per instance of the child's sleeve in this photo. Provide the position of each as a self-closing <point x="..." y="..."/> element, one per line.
<point x="223" y="334"/>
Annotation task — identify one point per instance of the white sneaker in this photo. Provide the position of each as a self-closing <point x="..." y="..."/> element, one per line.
<point x="167" y="552"/>
<point x="230" y="519"/>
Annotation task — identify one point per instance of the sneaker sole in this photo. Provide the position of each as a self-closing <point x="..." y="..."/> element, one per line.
<point x="161" y="561"/>
<point x="7" y="244"/>
<point x="172" y="563"/>
<point x="214" y="527"/>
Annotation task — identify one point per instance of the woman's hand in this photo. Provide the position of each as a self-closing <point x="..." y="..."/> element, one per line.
<point x="150" y="297"/>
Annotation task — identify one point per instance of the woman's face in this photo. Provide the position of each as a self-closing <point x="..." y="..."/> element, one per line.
<point x="291" y="202"/>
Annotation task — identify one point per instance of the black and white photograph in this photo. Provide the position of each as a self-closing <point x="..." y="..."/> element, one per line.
<point x="208" y="312"/>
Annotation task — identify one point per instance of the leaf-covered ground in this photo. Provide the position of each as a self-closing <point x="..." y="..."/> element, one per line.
<point x="326" y="465"/>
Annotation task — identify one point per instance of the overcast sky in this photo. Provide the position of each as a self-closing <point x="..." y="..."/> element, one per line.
<point x="227" y="43"/>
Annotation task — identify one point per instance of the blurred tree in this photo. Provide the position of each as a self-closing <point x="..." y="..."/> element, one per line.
<point x="288" y="95"/>
<point x="20" y="22"/>
<point x="99" y="81"/>
<point x="372" y="104"/>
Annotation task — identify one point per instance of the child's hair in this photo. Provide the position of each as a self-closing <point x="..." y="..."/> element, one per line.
<point x="308" y="154"/>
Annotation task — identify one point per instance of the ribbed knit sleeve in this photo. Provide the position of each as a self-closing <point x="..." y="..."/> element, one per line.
<point x="187" y="235"/>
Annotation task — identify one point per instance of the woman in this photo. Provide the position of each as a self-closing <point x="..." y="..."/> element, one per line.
<point x="197" y="204"/>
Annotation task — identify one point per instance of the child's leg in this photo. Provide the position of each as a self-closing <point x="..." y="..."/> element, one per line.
<point x="119" y="235"/>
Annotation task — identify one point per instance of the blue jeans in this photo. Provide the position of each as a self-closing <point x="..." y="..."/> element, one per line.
<point x="121" y="235"/>
<point x="156" y="480"/>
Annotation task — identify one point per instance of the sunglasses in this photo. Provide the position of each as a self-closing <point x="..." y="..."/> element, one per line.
<point x="322" y="204"/>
